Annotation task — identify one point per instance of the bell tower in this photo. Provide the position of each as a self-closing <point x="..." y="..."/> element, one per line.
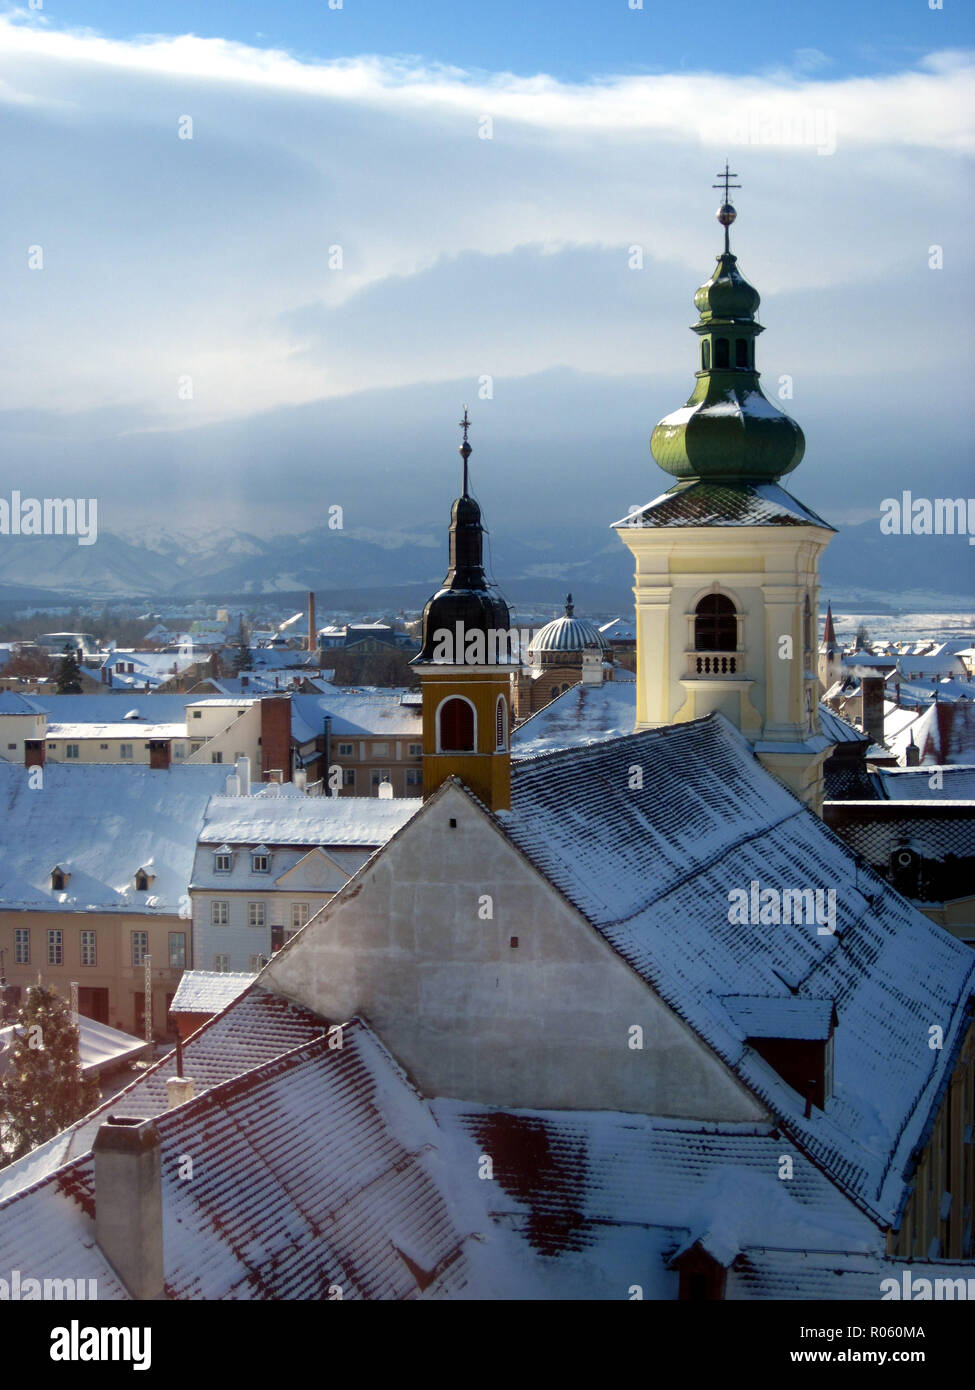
<point x="466" y="664"/>
<point x="727" y="561"/>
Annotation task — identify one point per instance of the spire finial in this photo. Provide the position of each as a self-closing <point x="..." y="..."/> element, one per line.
<point x="569" y="606"/>
<point x="726" y="213"/>
<point x="465" y="450"/>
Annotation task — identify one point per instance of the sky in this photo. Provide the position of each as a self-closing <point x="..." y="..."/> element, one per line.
<point x="281" y="245"/>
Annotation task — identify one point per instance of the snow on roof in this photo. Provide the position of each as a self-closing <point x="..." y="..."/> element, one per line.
<point x="12" y="703"/>
<point x="312" y="820"/>
<point x="653" y="869"/>
<point x="323" y="1168"/>
<point x="355" y="712"/>
<point x="839" y="730"/>
<point x="619" y="630"/>
<point x="928" y="783"/>
<point x="721" y="504"/>
<point x="100" y="1046"/>
<point x="938" y="829"/>
<point x="121" y="731"/>
<point x="101" y="822"/>
<point x="762" y="1017"/>
<point x="110" y="709"/>
<point x="209" y="991"/>
<point x="582" y="714"/>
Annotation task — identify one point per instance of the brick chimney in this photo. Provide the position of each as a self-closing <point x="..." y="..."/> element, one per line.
<point x="128" y="1203"/>
<point x="913" y="753"/>
<point x="312" y="630"/>
<point x="276" y="736"/>
<point x="160" y="752"/>
<point x="872" y="706"/>
<point x="35" y="752"/>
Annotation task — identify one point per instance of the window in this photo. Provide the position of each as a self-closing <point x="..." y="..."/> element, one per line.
<point x="414" y="777"/>
<point x="715" y="624"/>
<point x="140" y="947"/>
<point x="125" y="750"/>
<point x="456" y="726"/>
<point x="177" y="950"/>
<point x="260" y="862"/>
<point x="54" y="954"/>
<point x="348" y="777"/>
<point x="22" y="945"/>
<point x="555" y="691"/>
<point x="256" y="963"/>
<point x="380" y="750"/>
<point x="219" y="913"/>
<point x="11" y="746"/>
<point x="741" y="352"/>
<point x="223" y="861"/>
<point x="197" y="714"/>
<point x="299" y="915"/>
<point x="721" y="352"/>
<point x="71" y="750"/>
<point x="103" y="747"/>
<point x="216" y="757"/>
<point x="346" y="750"/>
<point x="88" y="956"/>
<point x="257" y="914"/>
<point x="415" y="750"/>
<point x="196" y="745"/>
<point x="58" y="880"/>
<point x="142" y="882"/>
<point x="501" y="723"/>
<point x="706" y="355"/>
<point x="221" y="963"/>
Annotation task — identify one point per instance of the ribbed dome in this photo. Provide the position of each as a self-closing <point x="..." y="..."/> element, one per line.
<point x="567" y="634"/>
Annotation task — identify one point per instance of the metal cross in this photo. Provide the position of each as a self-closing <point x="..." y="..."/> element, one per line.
<point x="465" y="450"/>
<point x="725" y="177"/>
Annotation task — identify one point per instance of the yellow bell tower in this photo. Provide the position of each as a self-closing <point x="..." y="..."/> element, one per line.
<point x="466" y="666"/>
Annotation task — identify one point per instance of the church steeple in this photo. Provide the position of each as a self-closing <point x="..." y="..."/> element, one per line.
<point x="465" y="664"/>
<point x="727" y="430"/>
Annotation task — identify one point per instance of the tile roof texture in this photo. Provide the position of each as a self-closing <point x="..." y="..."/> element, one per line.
<point x="582" y="714"/>
<point x="312" y="820"/>
<point x="209" y="991"/>
<point x="717" y="504"/>
<point x="652" y="869"/>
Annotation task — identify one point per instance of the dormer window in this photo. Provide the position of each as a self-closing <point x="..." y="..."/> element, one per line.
<point x="223" y="860"/>
<point x="142" y="879"/>
<point x="261" y="860"/>
<point x="59" y="879"/>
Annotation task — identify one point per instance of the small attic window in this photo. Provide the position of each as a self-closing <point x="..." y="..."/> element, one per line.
<point x="261" y="860"/>
<point x="59" y="879"/>
<point x="141" y="881"/>
<point x="223" y="860"/>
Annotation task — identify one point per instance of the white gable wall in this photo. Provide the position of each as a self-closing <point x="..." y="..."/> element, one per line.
<point x="544" y="1024"/>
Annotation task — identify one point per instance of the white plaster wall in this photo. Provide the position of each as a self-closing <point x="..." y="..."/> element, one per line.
<point x="544" y="1024"/>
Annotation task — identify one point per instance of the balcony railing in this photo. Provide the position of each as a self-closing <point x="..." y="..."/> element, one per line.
<point x="714" y="665"/>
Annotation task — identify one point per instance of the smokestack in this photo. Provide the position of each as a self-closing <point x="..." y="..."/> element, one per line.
<point x="233" y="785"/>
<point x="128" y="1203"/>
<point x="913" y="758"/>
<point x="312" y="632"/>
<point x="160" y="752"/>
<point x="872" y="706"/>
<point x="244" y="775"/>
<point x="35" y="752"/>
<point x="179" y="1089"/>
<point x="385" y="791"/>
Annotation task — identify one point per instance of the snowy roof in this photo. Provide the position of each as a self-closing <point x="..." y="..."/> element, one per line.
<point x="619" y="630"/>
<point x="101" y="822"/>
<point x="322" y="1167"/>
<point x="839" y="730"/>
<point x="720" y="504"/>
<point x="127" y="730"/>
<point x="209" y="991"/>
<point x="312" y="820"/>
<point x="652" y="869"/>
<point x="763" y="1017"/>
<point x="12" y="703"/>
<point x="937" y="830"/>
<point x="582" y="714"/>
<point x="110" y="709"/>
<point x="100" y="1046"/>
<point x="928" y="783"/>
<point x="355" y="712"/>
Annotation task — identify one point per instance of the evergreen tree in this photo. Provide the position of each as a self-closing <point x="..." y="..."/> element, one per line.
<point x="69" y="674"/>
<point x="242" y="650"/>
<point x="42" y="1090"/>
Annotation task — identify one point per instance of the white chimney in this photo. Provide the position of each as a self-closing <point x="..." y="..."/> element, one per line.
<point x="178" y="1090"/>
<point x="233" y="785"/>
<point x="385" y="791"/>
<point x="300" y="778"/>
<point x="592" y="666"/>
<point x="244" y="774"/>
<point x="128" y="1203"/>
<point x="273" y="789"/>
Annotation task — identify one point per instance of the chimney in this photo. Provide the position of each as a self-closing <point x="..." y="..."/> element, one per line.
<point x="301" y="779"/>
<point x="385" y="791"/>
<point x="128" y="1203"/>
<point x="312" y="632"/>
<point x="913" y="758"/>
<point x="233" y="785"/>
<point x="244" y="776"/>
<point x="104" y="675"/>
<point x="872" y="707"/>
<point x="244" y="682"/>
<point x="160" y="752"/>
<point x="179" y="1089"/>
<point x="35" y="752"/>
<point x="276" y="735"/>
<point x="592" y="666"/>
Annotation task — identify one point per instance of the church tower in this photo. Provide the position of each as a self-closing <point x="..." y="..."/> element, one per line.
<point x="466" y="666"/>
<point x="727" y="561"/>
<point x="830" y="654"/>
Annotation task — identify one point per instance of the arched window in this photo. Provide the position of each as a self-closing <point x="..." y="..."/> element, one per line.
<point x="721" y="352"/>
<point x="555" y="691"/>
<point x="706" y="355"/>
<point x="564" y="689"/>
<point x="501" y="722"/>
<point x="142" y="881"/>
<point x="715" y="624"/>
<point x="741" y="352"/>
<point x="57" y="881"/>
<point x="456" y="726"/>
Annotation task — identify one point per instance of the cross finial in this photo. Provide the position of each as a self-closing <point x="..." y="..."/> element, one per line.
<point x="465" y="450"/>
<point x="726" y="213"/>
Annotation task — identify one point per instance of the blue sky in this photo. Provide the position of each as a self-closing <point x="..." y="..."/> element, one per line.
<point x="570" y="39"/>
<point x="467" y="259"/>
